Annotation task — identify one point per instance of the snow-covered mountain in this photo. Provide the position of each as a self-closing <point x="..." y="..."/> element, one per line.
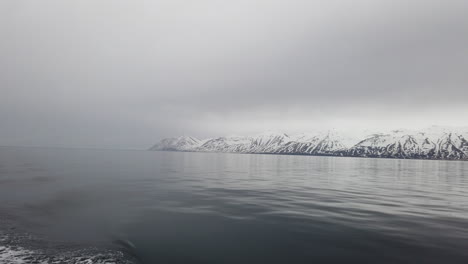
<point x="177" y="144"/>
<point x="431" y="143"/>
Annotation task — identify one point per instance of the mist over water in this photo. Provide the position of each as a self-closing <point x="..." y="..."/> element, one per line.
<point x="173" y="207"/>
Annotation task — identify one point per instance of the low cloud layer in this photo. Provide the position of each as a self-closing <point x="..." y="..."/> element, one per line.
<point x="127" y="73"/>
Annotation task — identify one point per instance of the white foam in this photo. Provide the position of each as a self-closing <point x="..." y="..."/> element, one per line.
<point x="17" y="255"/>
<point x="13" y="256"/>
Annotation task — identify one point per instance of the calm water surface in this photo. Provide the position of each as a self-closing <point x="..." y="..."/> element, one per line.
<point x="173" y="207"/>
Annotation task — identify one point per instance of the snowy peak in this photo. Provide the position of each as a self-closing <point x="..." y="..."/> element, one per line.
<point x="225" y="144"/>
<point x="268" y="142"/>
<point x="431" y="143"/>
<point x="177" y="144"/>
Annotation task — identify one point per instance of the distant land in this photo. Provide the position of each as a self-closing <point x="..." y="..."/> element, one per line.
<point x="439" y="143"/>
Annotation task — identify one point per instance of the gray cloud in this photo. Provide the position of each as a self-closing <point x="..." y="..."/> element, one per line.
<point x="126" y="73"/>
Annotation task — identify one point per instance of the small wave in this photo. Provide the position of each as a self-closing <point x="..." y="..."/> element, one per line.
<point x="13" y="253"/>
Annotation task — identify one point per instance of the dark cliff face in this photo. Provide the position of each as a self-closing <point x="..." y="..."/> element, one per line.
<point x="431" y="144"/>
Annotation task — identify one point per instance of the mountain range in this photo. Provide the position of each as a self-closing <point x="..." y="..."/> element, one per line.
<point x="431" y="143"/>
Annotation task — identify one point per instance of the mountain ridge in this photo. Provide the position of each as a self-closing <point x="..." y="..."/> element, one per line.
<point x="436" y="143"/>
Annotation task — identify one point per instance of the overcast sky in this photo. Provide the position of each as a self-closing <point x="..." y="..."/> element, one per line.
<point x="126" y="73"/>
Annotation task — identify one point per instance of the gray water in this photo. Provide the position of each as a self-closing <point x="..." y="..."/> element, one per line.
<point x="173" y="207"/>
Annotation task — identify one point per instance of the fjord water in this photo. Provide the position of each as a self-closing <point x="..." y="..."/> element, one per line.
<point x="174" y="207"/>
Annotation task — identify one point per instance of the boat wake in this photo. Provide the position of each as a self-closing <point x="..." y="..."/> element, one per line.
<point x="15" y="248"/>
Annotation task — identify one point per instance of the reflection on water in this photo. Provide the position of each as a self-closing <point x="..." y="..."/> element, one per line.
<point x="228" y="208"/>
